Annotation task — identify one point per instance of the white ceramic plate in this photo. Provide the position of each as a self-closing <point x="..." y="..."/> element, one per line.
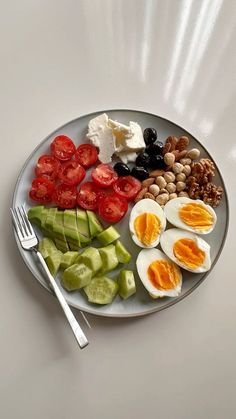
<point x="140" y="303"/>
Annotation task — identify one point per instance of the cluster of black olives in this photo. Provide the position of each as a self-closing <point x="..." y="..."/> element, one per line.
<point x="151" y="157"/>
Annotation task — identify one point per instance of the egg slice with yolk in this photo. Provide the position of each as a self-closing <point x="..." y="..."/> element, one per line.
<point x="186" y="249"/>
<point x="147" y="222"/>
<point x="159" y="275"/>
<point x="192" y="215"/>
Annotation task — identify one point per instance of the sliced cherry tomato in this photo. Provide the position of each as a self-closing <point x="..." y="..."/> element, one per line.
<point x="64" y="196"/>
<point x="104" y="175"/>
<point x="87" y="155"/>
<point x="112" y="208"/>
<point x="89" y="196"/>
<point x="42" y="190"/>
<point x="63" y="147"/>
<point x="71" y="173"/>
<point x="47" y="166"/>
<point x="127" y="187"/>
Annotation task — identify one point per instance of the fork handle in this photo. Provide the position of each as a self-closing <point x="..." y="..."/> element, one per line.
<point x="78" y="332"/>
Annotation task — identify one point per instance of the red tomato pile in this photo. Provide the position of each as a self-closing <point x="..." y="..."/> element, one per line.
<point x="59" y="174"/>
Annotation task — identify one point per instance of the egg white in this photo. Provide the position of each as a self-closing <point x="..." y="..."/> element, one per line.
<point x="144" y="259"/>
<point x="171" y="210"/>
<point x="170" y="236"/>
<point x="146" y="205"/>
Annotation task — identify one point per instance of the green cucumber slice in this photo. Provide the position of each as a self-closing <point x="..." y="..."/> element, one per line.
<point x="46" y="247"/>
<point x="108" y="236"/>
<point x="76" y="276"/>
<point x="126" y="284"/>
<point x="91" y="257"/>
<point x="101" y="290"/>
<point x="53" y="261"/>
<point x="122" y="253"/>
<point x="109" y="258"/>
<point x="68" y="259"/>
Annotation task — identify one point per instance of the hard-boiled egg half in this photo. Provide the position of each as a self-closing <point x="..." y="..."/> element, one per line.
<point x="159" y="275"/>
<point x="147" y="222"/>
<point x="186" y="249"/>
<point x="190" y="214"/>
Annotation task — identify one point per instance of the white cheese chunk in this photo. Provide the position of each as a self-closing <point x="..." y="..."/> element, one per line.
<point x="136" y="141"/>
<point x="96" y="127"/>
<point x="112" y="137"/>
<point x="127" y="156"/>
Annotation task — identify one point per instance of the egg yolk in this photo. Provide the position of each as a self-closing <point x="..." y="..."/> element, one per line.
<point x="196" y="216"/>
<point x="163" y="274"/>
<point x="188" y="253"/>
<point x="147" y="228"/>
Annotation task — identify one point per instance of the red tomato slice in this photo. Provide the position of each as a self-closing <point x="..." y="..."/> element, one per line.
<point x="64" y="196"/>
<point x="87" y="155"/>
<point x="41" y="190"/>
<point x="112" y="208"/>
<point x="47" y="166"/>
<point x="89" y="196"/>
<point x="127" y="187"/>
<point x="63" y="147"/>
<point x="71" y="173"/>
<point x="104" y="175"/>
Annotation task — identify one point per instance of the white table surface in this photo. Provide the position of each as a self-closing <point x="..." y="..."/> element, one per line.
<point x="61" y="59"/>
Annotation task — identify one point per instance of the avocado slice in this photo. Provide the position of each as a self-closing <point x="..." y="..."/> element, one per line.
<point x="83" y="227"/>
<point x="50" y="218"/>
<point x="35" y="214"/>
<point x="59" y="233"/>
<point x="95" y="226"/>
<point x="70" y="229"/>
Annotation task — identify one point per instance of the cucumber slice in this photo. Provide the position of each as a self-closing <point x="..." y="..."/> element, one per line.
<point x="46" y="247"/>
<point x="83" y="227"/>
<point x="126" y="284"/>
<point x="108" y="236"/>
<point x="68" y="259"/>
<point x="91" y="257"/>
<point x="53" y="261"/>
<point x="95" y="226"/>
<point x="76" y="276"/>
<point x="122" y="253"/>
<point x="109" y="258"/>
<point x="101" y="290"/>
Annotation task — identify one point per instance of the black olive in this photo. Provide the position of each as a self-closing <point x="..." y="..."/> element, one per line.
<point x="149" y="135"/>
<point x="122" y="169"/>
<point x="155" y="148"/>
<point x="157" y="162"/>
<point x="140" y="173"/>
<point x="143" y="160"/>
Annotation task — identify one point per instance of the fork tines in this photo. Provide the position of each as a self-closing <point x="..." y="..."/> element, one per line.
<point x="21" y="222"/>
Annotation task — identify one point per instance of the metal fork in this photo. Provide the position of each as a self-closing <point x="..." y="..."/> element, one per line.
<point x="29" y="241"/>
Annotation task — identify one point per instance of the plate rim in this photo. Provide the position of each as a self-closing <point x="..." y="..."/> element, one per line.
<point x="155" y="309"/>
